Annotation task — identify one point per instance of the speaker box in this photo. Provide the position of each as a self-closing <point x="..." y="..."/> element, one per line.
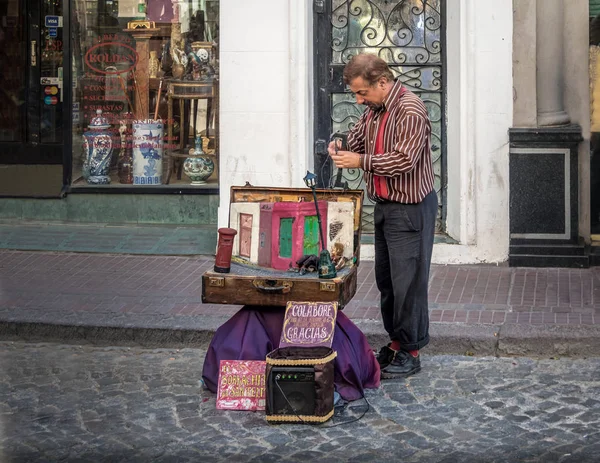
<point x="300" y="384"/>
<point x="291" y="390"/>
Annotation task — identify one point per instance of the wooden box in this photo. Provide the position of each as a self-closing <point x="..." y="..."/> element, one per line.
<point x="276" y="227"/>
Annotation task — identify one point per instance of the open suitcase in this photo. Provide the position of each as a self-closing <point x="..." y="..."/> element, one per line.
<point x="276" y="229"/>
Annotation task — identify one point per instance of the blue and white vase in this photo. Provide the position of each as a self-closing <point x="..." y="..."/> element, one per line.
<point x="148" y="145"/>
<point x="98" y="145"/>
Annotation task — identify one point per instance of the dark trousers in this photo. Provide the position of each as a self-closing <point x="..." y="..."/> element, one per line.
<point x="403" y="245"/>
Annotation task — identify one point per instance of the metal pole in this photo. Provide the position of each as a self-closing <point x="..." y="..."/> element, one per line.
<point x="318" y="218"/>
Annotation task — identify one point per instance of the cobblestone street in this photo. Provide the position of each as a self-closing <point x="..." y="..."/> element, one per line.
<point x="73" y="404"/>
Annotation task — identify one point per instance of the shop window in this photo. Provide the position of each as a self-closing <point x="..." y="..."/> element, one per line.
<point x="145" y="93"/>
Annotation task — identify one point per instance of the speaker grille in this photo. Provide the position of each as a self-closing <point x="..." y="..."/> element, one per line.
<point x="297" y="385"/>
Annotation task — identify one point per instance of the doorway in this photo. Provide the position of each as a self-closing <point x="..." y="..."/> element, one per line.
<point x="32" y="94"/>
<point x="409" y="35"/>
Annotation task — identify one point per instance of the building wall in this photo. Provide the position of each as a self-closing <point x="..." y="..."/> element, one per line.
<point x="266" y="112"/>
<point x="576" y="85"/>
<point x="479" y="73"/>
<point x="265" y="94"/>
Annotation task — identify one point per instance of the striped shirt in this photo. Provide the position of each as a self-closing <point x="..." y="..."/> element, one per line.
<point x="405" y="163"/>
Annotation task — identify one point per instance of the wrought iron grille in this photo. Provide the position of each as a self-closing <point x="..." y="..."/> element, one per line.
<point x="407" y="34"/>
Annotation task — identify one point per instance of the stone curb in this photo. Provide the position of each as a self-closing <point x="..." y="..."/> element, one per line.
<point x="446" y="338"/>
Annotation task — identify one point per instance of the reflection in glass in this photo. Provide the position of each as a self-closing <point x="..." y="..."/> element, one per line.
<point x="150" y="64"/>
<point x="12" y="72"/>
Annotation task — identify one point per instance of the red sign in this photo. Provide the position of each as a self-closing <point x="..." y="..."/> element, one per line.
<point x="241" y="385"/>
<point x="308" y="324"/>
<point x="102" y="55"/>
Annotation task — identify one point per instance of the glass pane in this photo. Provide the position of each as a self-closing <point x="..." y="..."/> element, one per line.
<point x="400" y="31"/>
<point x="145" y="84"/>
<point x="51" y="72"/>
<point x="13" y="66"/>
<point x="407" y="35"/>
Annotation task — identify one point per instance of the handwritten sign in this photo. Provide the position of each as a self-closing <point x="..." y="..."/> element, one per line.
<point x="241" y="385"/>
<point x="308" y="324"/>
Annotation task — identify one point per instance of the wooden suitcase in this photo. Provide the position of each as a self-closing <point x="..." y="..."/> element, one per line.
<point x="276" y="227"/>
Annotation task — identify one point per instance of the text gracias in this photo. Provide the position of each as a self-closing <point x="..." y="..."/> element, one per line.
<point x="303" y="311"/>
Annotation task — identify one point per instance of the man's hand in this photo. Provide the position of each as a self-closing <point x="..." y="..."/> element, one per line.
<point x="343" y="159"/>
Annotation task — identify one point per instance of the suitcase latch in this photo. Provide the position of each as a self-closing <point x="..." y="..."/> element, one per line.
<point x="216" y="281"/>
<point x="327" y="286"/>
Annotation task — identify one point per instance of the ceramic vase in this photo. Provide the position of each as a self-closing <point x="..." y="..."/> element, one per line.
<point x="148" y="145"/>
<point x="98" y="145"/>
<point x="198" y="168"/>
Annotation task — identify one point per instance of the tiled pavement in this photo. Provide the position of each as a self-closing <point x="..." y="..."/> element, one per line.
<point x="171" y="285"/>
<point x="164" y="292"/>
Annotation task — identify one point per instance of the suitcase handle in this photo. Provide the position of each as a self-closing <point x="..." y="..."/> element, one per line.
<point x="273" y="286"/>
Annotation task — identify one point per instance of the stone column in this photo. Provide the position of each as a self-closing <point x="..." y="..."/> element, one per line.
<point x="550" y="63"/>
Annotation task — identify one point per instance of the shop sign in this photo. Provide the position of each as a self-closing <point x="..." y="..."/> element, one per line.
<point x="103" y="57"/>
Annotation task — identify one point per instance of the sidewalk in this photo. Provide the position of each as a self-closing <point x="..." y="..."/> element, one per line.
<point x="156" y="301"/>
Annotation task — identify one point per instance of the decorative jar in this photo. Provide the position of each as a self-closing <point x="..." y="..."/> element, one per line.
<point x="98" y="145"/>
<point x="148" y="147"/>
<point x="198" y="166"/>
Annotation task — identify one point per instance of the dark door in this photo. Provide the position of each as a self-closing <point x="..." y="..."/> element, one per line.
<point x="409" y="35"/>
<point x="32" y="93"/>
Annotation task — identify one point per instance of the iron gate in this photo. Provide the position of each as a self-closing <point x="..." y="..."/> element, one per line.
<point x="409" y="36"/>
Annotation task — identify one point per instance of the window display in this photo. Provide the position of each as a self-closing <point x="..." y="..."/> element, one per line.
<point x="145" y="93"/>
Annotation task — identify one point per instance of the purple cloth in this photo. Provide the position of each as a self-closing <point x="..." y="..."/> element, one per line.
<point x="254" y="332"/>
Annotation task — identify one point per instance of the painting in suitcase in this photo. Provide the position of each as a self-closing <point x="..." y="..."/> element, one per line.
<point x="276" y="248"/>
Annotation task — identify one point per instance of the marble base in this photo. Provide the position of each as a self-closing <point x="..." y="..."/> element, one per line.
<point x="544" y="189"/>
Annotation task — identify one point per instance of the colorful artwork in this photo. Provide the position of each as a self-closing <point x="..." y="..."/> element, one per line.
<point x="245" y="235"/>
<point x="277" y="235"/>
<point x="308" y="324"/>
<point x="340" y="227"/>
<point x="289" y="237"/>
<point x="241" y="385"/>
<point x="264" y="238"/>
<point x="244" y="215"/>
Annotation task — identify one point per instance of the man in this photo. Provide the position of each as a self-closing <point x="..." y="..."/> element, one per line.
<point x="391" y="143"/>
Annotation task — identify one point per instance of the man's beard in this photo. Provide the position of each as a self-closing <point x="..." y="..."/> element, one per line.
<point x="373" y="106"/>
